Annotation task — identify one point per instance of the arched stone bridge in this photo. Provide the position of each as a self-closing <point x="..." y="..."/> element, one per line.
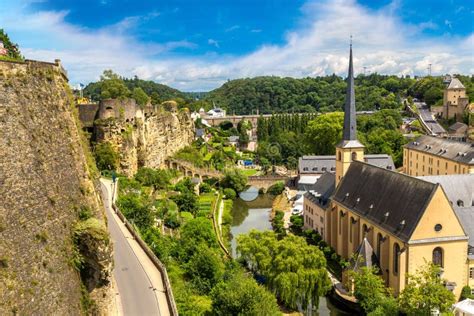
<point x="189" y="170"/>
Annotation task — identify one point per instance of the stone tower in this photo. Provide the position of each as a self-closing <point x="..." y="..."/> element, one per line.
<point x="349" y="148"/>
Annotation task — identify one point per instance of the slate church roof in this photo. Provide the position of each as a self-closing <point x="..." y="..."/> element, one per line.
<point x="392" y="200"/>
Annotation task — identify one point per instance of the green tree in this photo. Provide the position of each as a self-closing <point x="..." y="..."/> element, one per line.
<point x="12" y="49"/>
<point x="112" y="86"/>
<point x="158" y="179"/>
<point x="294" y="270"/>
<point x="205" y="268"/>
<point x="185" y="185"/>
<point x="106" y="157"/>
<point x="140" y="96"/>
<point x="297" y="223"/>
<point x="324" y="132"/>
<point x="195" y="232"/>
<point x="234" y="179"/>
<point x="433" y="95"/>
<point x="276" y="188"/>
<point x="136" y="210"/>
<point x="241" y="295"/>
<point x="278" y="224"/>
<point x="425" y="291"/>
<point x="230" y="193"/>
<point x="370" y="291"/>
<point x="187" y="202"/>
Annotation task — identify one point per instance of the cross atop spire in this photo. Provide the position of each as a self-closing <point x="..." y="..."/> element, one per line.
<point x="350" y="128"/>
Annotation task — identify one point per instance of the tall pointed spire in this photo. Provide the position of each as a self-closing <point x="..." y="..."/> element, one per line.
<point x="350" y="127"/>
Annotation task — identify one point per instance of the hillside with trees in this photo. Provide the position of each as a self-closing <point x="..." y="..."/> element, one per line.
<point x="326" y="94"/>
<point x="128" y="86"/>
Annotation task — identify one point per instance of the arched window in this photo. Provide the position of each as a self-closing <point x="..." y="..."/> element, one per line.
<point x="396" y="259"/>
<point x="364" y="230"/>
<point x="339" y="156"/>
<point x="379" y="244"/>
<point x="354" y="156"/>
<point x="351" y="230"/>
<point x="438" y="256"/>
<point x="341" y="215"/>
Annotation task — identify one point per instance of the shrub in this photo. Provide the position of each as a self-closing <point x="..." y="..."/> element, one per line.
<point x="84" y="213"/>
<point x="278" y="224"/>
<point x="466" y="293"/>
<point x="205" y="188"/>
<point x="106" y="157"/>
<point x="230" y="193"/>
<point x="234" y="179"/>
<point x="277" y="188"/>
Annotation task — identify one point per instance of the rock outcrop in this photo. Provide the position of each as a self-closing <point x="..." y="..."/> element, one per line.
<point x="46" y="179"/>
<point x="143" y="137"/>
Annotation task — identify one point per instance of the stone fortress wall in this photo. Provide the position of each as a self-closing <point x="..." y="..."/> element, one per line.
<point x="143" y="136"/>
<point x="45" y="180"/>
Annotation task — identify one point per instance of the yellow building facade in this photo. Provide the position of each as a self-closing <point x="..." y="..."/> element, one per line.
<point x="429" y="155"/>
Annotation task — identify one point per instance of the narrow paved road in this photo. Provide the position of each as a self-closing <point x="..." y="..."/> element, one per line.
<point x="428" y="118"/>
<point x="139" y="283"/>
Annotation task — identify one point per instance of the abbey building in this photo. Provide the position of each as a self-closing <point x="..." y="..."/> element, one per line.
<point x="403" y="219"/>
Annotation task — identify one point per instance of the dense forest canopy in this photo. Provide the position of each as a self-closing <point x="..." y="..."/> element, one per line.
<point x="326" y="94"/>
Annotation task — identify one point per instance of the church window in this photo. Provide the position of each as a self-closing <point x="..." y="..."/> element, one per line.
<point x="341" y="214"/>
<point x="364" y="230"/>
<point x="396" y="258"/>
<point x="438" y="256"/>
<point x="350" y="229"/>
<point x="379" y="244"/>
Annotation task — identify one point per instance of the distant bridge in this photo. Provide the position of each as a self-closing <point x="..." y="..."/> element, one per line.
<point x="253" y="118"/>
<point x="189" y="170"/>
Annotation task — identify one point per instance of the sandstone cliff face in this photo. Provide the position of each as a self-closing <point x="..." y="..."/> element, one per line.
<point x="44" y="182"/>
<point x="143" y="137"/>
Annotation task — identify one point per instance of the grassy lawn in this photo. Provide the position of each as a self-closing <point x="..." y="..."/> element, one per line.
<point x="249" y="172"/>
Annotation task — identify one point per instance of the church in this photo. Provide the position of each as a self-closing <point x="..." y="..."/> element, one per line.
<point x="405" y="220"/>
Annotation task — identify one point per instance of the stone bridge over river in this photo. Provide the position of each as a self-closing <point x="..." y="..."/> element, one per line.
<point x="253" y="118"/>
<point x="189" y="170"/>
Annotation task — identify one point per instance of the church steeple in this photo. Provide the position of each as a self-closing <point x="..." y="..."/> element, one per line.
<point x="350" y="127"/>
<point x="349" y="149"/>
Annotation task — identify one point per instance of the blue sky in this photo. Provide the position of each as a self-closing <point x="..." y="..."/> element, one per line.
<point x="198" y="45"/>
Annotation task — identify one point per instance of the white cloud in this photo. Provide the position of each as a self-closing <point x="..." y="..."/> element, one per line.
<point x="382" y="43"/>
<point x="232" y="28"/>
<point x="213" y="42"/>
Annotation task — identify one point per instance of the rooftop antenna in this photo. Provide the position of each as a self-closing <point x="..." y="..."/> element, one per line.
<point x="429" y="69"/>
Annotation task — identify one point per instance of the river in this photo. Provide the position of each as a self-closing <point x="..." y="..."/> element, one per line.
<point x="248" y="215"/>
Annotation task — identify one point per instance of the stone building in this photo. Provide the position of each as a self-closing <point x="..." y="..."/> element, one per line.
<point x="455" y="100"/>
<point x="428" y="155"/>
<point x="405" y="220"/>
